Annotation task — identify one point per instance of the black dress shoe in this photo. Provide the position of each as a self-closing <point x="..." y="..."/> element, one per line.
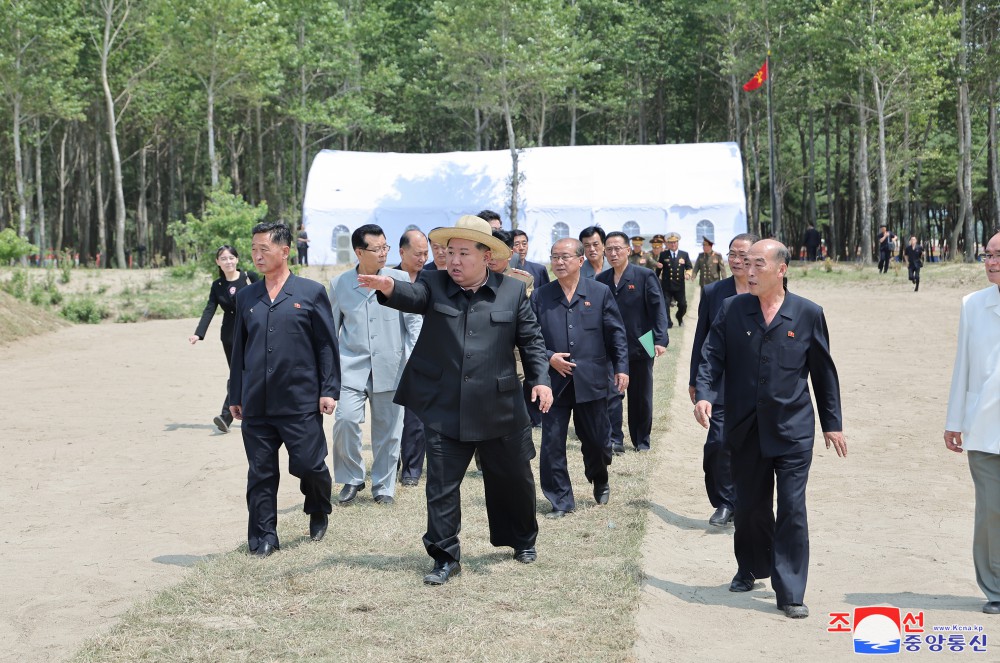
<point x="442" y="572"/>
<point x="556" y="513"/>
<point x="722" y="516"/>
<point x="742" y="582"/>
<point x="640" y="450"/>
<point x="618" y="450"/>
<point x="318" y="523"/>
<point x="265" y="549"/>
<point x="795" y="610"/>
<point x="992" y="608"/>
<point x="410" y="481"/>
<point x="526" y="556"/>
<point x="385" y="500"/>
<point x="602" y="491"/>
<point x="223" y="421"/>
<point x="348" y="493"/>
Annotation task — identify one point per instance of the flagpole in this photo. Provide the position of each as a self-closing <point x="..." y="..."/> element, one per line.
<point x="772" y="167"/>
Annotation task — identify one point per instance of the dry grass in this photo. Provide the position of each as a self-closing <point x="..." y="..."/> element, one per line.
<point x="358" y="594"/>
<point x="20" y="319"/>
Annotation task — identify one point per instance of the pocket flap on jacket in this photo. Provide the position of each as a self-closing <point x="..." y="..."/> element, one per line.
<point x="446" y="310"/>
<point x="508" y="383"/>
<point x="502" y="316"/>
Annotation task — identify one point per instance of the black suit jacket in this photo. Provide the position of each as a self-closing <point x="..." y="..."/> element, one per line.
<point x="223" y="295"/>
<point x="712" y="296"/>
<point x="590" y="328"/>
<point x="537" y="270"/>
<point x="461" y="379"/>
<point x="674" y="269"/>
<point x="767" y="371"/>
<point x="640" y="302"/>
<point x="285" y="352"/>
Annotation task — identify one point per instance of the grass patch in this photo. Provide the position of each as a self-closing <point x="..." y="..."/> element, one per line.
<point x="358" y="595"/>
<point x="19" y="319"/>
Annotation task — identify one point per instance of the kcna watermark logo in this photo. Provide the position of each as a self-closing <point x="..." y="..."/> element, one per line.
<point x="883" y="629"/>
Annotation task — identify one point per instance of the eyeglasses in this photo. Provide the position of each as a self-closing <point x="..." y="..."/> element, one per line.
<point x="379" y="249"/>
<point x="616" y="249"/>
<point x="990" y="256"/>
<point x="563" y="258"/>
<point x="733" y="255"/>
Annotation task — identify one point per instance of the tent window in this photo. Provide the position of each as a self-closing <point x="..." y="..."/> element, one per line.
<point x="631" y="228"/>
<point x="705" y="229"/>
<point x="340" y="243"/>
<point x="559" y="231"/>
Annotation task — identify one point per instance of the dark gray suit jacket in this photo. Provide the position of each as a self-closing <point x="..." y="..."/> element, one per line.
<point x="767" y="371"/>
<point x="461" y="379"/>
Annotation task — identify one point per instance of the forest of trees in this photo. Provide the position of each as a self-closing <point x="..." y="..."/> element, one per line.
<point x="121" y="116"/>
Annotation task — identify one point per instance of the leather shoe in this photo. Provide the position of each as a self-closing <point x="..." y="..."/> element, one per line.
<point x="992" y="608"/>
<point x="385" y="500"/>
<point x="795" y="610"/>
<point x="556" y="513"/>
<point x="618" y="450"/>
<point x="318" y="523"/>
<point x="410" y="481"/>
<point x="722" y="516"/>
<point x="526" y="556"/>
<point x="222" y="422"/>
<point x="742" y="582"/>
<point x="265" y="549"/>
<point x="442" y="572"/>
<point x="602" y="491"/>
<point x="348" y="493"/>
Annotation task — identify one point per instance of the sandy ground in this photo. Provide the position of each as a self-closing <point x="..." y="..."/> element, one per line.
<point x="114" y="481"/>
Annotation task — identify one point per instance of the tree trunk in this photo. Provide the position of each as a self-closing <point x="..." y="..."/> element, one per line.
<point x="831" y="233"/>
<point x="883" y="169"/>
<point x="141" y="217"/>
<point x="22" y="200"/>
<point x="61" y="223"/>
<point x="864" y="181"/>
<point x="812" y="168"/>
<point x="572" y="117"/>
<point x="213" y="159"/>
<point x="102" y="221"/>
<point x="992" y="146"/>
<point x="260" y="156"/>
<point x="112" y="120"/>
<point x="515" y="175"/>
<point x="965" y="146"/>
<point x="39" y="193"/>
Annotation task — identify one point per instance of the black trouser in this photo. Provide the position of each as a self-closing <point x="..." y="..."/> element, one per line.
<point x="765" y="545"/>
<point x="717" y="462"/>
<point x="675" y="293"/>
<point x="228" y="347"/>
<point x="640" y="406"/>
<point x="884" y="258"/>
<point x="305" y="441"/>
<point x="508" y="482"/>
<point x="810" y="254"/>
<point x="914" y="273"/>
<point x="412" y="446"/>
<point x="303" y="255"/>
<point x="592" y="427"/>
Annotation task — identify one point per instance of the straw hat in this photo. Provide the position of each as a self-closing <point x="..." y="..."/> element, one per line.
<point x="473" y="229"/>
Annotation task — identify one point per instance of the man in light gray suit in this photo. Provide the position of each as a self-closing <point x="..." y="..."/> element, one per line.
<point x="374" y="343"/>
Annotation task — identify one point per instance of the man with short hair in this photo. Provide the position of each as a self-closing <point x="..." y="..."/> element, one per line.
<point x="811" y="240"/>
<point x="676" y="267"/>
<point x="412" y="256"/>
<point x="765" y="345"/>
<point x="439" y="255"/>
<point x="657" y="248"/>
<point x="716" y="459"/>
<point x="973" y="414"/>
<point x="596" y="262"/>
<point x="640" y="303"/>
<point x="886" y="246"/>
<point x="588" y="360"/>
<point x="302" y="246"/>
<point x="640" y="257"/>
<point x="473" y="320"/>
<point x="374" y="343"/>
<point x="538" y="271"/>
<point x="284" y="376"/>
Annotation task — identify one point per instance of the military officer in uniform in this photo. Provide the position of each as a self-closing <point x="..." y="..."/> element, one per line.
<point x="676" y="266"/>
<point x="709" y="267"/>
<point x="638" y="257"/>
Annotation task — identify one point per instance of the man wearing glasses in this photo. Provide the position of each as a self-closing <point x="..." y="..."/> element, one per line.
<point x="588" y="361"/>
<point x="973" y="420"/>
<point x="640" y="301"/>
<point x="374" y="343"/>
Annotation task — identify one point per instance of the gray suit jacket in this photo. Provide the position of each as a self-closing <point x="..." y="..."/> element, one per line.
<point x="461" y="379"/>
<point x="374" y="339"/>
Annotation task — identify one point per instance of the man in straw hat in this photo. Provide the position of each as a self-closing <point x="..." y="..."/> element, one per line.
<point x="473" y="320"/>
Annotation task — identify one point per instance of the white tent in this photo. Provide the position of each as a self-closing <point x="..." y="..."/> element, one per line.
<point x="694" y="190"/>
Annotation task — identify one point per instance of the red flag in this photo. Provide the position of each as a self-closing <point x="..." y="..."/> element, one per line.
<point x="757" y="80"/>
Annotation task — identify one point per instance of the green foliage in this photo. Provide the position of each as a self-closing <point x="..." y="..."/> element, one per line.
<point x="84" y="309"/>
<point x="228" y="219"/>
<point x="18" y="284"/>
<point x="65" y="266"/>
<point x="13" y="247"/>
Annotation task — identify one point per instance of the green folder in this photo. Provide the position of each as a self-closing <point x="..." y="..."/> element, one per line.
<point x="647" y="343"/>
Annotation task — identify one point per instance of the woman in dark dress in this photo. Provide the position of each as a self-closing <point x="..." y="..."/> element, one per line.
<point x="223" y="294"/>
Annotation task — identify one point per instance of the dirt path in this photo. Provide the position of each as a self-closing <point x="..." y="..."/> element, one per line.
<point x="113" y="482"/>
<point x="890" y="524"/>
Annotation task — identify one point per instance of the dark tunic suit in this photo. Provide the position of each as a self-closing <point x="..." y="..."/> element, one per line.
<point x="716" y="460"/>
<point x="674" y="283"/>
<point x="285" y="358"/>
<point x="641" y="304"/>
<point x="770" y="426"/>
<point x="590" y="328"/>
<point x="465" y="351"/>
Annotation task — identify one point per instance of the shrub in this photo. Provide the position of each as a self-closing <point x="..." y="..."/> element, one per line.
<point x="65" y="265"/>
<point x="13" y="247"/>
<point x="19" y="283"/>
<point x="84" y="309"/>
